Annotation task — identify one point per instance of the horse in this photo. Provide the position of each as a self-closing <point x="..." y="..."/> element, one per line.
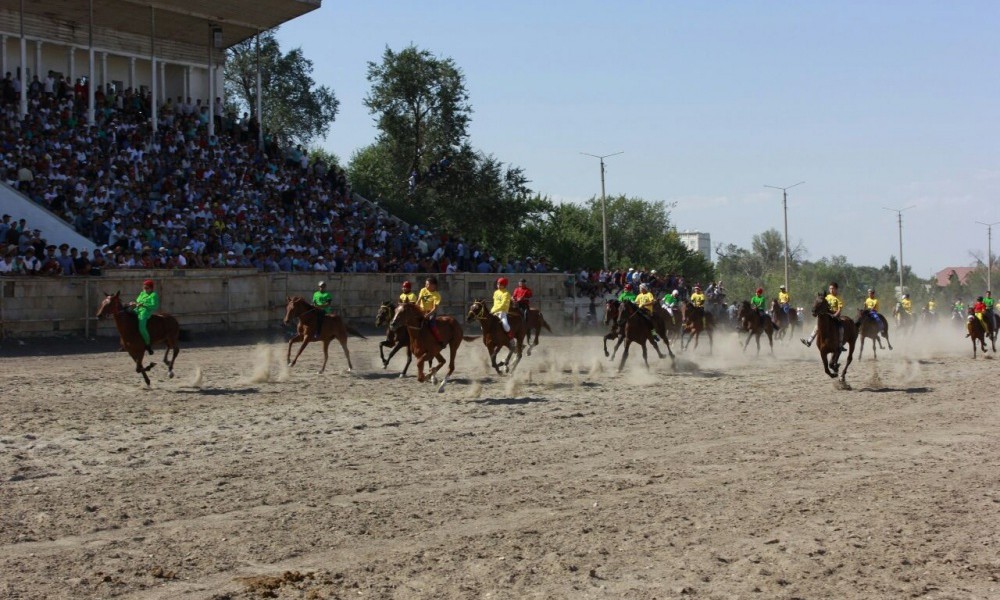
<point x="753" y="322"/>
<point x="696" y="320"/>
<point x="331" y="326"/>
<point x="638" y="328"/>
<point x="787" y="322"/>
<point x="423" y="343"/>
<point x="975" y="330"/>
<point x="163" y="329"/>
<point x="533" y="321"/>
<point x="394" y="338"/>
<point x="495" y="338"/>
<point x="612" y="310"/>
<point x="868" y="328"/>
<point x="904" y="321"/>
<point x="828" y="338"/>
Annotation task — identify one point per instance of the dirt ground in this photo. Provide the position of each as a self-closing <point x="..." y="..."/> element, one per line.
<point x="732" y="477"/>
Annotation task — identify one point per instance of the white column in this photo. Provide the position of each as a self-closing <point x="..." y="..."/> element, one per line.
<point x="71" y="67"/>
<point x="38" y="60"/>
<point x="260" y="115"/>
<point x="104" y="70"/>
<point x="23" y="102"/>
<point x="210" y="73"/>
<point x="131" y="73"/>
<point x="163" y="82"/>
<point x="187" y="83"/>
<point x="90" y="66"/>
<point x="152" y="64"/>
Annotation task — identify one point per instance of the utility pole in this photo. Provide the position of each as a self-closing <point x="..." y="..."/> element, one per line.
<point x="784" y="207"/>
<point x="899" y="215"/>
<point x="989" y="252"/>
<point x="604" y="208"/>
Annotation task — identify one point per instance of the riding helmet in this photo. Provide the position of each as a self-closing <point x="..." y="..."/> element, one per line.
<point x="148" y="283"/>
<point x="760" y="290"/>
<point x="406" y="286"/>
<point x="502" y="281"/>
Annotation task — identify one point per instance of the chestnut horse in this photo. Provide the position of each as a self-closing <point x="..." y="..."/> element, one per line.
<point x="424" y="345"/>
<point x="752" y="322"/>
<point x="495" y="338"/>
<point x="868" y="328"/>
<point x="331" y="326"/>
<point x="828" y="338"/>
<point x="637" y="327"/>
<point x="975" y="330"/>
<point x="163" y="329"/>
<point x="394" y="338"/>
<point x="612" y="310"/>
<point x="697" y="320"/>
<point x="787" y="322"/>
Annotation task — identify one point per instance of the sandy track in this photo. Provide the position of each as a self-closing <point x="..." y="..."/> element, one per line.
<point x="733" y="478"/>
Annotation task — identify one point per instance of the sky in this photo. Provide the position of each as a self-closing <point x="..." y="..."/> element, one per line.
<point x="894" y="104"/>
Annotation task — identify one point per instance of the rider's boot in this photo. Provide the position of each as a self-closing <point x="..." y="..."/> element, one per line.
<point x="149" y="348"/>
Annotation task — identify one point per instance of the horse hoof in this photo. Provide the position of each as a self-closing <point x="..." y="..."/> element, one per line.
<point x="170" y="374"/>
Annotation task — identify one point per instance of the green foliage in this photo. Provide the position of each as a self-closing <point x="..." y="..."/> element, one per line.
<point x="323" y="155"/>
<point x="296" y="110"/>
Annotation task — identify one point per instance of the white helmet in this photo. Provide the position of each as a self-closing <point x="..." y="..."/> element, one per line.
<point x="321" y="284"/>
<point x="643" y="286"/>
<point x="675" y="293"/>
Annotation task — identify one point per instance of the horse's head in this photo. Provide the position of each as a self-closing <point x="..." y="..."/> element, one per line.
<point x="406" y="314"/>
<point x="384" y="313"/>
<point x="294" y="306"/>
<point x="110" y="306"/>
<point x="477" y="310"/>
<point x="820" y="307"/>
<point x="611" y="310"/>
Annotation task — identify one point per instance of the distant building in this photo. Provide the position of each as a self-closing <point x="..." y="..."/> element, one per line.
<point x="697" y="241"/>
<point x="943" y="277"/>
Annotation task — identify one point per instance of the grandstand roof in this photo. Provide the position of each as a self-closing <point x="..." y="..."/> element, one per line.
<point x="179" y="20"/>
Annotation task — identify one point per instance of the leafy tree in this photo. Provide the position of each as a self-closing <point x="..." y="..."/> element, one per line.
<point x="296" y="110"/>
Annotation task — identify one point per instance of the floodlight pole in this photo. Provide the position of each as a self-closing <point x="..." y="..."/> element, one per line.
<point x="604" y="209"/>
<point x="899" y="216"/>
<point x="784" y="207"/>
<point x="989" y="252"/>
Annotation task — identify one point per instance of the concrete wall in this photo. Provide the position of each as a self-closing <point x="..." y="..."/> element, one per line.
<point x="234" y="300"/>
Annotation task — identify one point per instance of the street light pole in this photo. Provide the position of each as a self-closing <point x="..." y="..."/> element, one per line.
<point x="784" y="207"/>
<point x="989" y="252"/>
<point x="604" y="209"/>
<point x="899" y="215"/>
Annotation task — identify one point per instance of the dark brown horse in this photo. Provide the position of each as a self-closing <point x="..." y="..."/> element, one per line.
<point x="394" y="338"/>
<point x="534" y="322"/>
<point x="331" y="327"/>
<point x="905" y="322"/>
<point x="612" y="310"/>
<point x="787" y="322"/>
<point x="424" y="345"/>
<point x="828" y="338"/>
<point x="637" y="327"/>
<point x="869" y="328"/>
<point x="696" y="321"/>
<point x="163" y="329"/>
<point x="495" y="338"/>
<point x="977" y="332"/>
<point x="755" y="324"/>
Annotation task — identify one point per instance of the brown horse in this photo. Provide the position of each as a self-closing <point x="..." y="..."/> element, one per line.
<point x="696" y="321"/>
<point x="905" y="322"/>
<point x="163" y="329"/>
<point x="787" y="322"/>
<point x="534" y="322"/>
<point x="331" y="326"/>
<point x="394" y="338"/>
<point x="637" y="327"/>
<point x="424" y="345"/>
<point x="612" y="310"/>
<point x="751" y="321"/>
<point x="869" y="328"/>
<point x="495" y="338"/>
<point x="828" y="338"/>
<point x="977" y="332"/>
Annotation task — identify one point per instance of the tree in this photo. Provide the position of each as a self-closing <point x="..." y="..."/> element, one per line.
<point x="295" y="109"/>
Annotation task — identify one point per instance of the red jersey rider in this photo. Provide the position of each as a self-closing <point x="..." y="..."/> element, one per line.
<point x="521" y="295"/>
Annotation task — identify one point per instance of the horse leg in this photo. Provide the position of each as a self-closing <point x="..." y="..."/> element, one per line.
<point x="861" y="351"/>
<point x="409" y="358"/>
<point x="381" y="353"/>
<point x="298" y="337"/>
<point x="171" y="345"/>
<point x="614" y="352"/>
<point x="770" y="341"/>
<point x="347" y="353"/>
<point x="655" y="347"/>
<point x="621" y="365"/>
<point x="494" y="351"/>
<point x="305" y="342"/>
<point x="644" y="358"/>
<point x="850" y="357"/>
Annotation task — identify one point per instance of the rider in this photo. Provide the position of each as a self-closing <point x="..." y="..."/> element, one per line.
<point x="871" y="305"/>
<point x="627" y="294"/>
<point x="979" y="309"/>
<point x="501" y="305"/>
<point x="836" y="305"/>
<point x="784" y="299"/>
<point x="324" y="303"/>
<point x="146" y="303"/>
<point x="407" y="295"/>
<point x="428" y="301"/>
<point x="931" y="306"/>
<point x="989" y="302"/>
<point x="521" y="295"/>
<point x="958" y="308"/>
<point x="698" y="300"/>
<point x="645" y="300"/>
<point x="906" y="304"/>
<point x="670" y="303"/>
<point x="759" y="302"/>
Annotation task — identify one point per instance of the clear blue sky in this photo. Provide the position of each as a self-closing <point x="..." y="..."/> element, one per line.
<point x="886" y="103"/>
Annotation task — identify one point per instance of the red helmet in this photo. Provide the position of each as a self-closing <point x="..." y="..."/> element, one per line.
<point x="628" y="286"/>
<point x="406" y="286"/>
<point x="760" y="290"/>
<point x="148" y="283"/>
<point x="502" y="281"/>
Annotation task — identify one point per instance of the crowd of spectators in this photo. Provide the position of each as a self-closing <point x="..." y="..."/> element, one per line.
<point x="180" y="198"/>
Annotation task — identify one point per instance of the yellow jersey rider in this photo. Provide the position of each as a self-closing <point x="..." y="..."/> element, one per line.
<point x="501" y="306"/>
<point x="872" y="306"/>
<point x="645" y="299"/>
<point x="906" y="304"/>
<point x="784" y="299"/>
<point x="697" y="300"/>
<point x="836" y="304"/>
<point x="407" y="295"/>
<point x="428" y="301"/>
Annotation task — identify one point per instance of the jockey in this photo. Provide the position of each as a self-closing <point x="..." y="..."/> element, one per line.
<point x="906" y="304"/>
<point x="759" y="303"/>
<point x="871" y="305"/>
<point x="979" y="309"/>
<point x="407" y="295"/>
<point x="324" y="303"/>
<point x="521" y="295"/>
<point x="627" y="294"/>
<point x="989" y="302"/>
<point x="958" y="308"/>
<point x="697" y="298"/>
<point x="670" y="303"/>
<point x="784" y="299"/>
<point x="645" y="299"/>
<point x="147" y="302"/>
<point x="428" y="300"/>
<point x="836" y="305"/>
<point x="501" y="306"/>
<point x="931" y="306"/>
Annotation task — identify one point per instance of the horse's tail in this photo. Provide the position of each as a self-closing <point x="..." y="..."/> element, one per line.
<point x="544" y="323"/>
<point x="353" y="331"/>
